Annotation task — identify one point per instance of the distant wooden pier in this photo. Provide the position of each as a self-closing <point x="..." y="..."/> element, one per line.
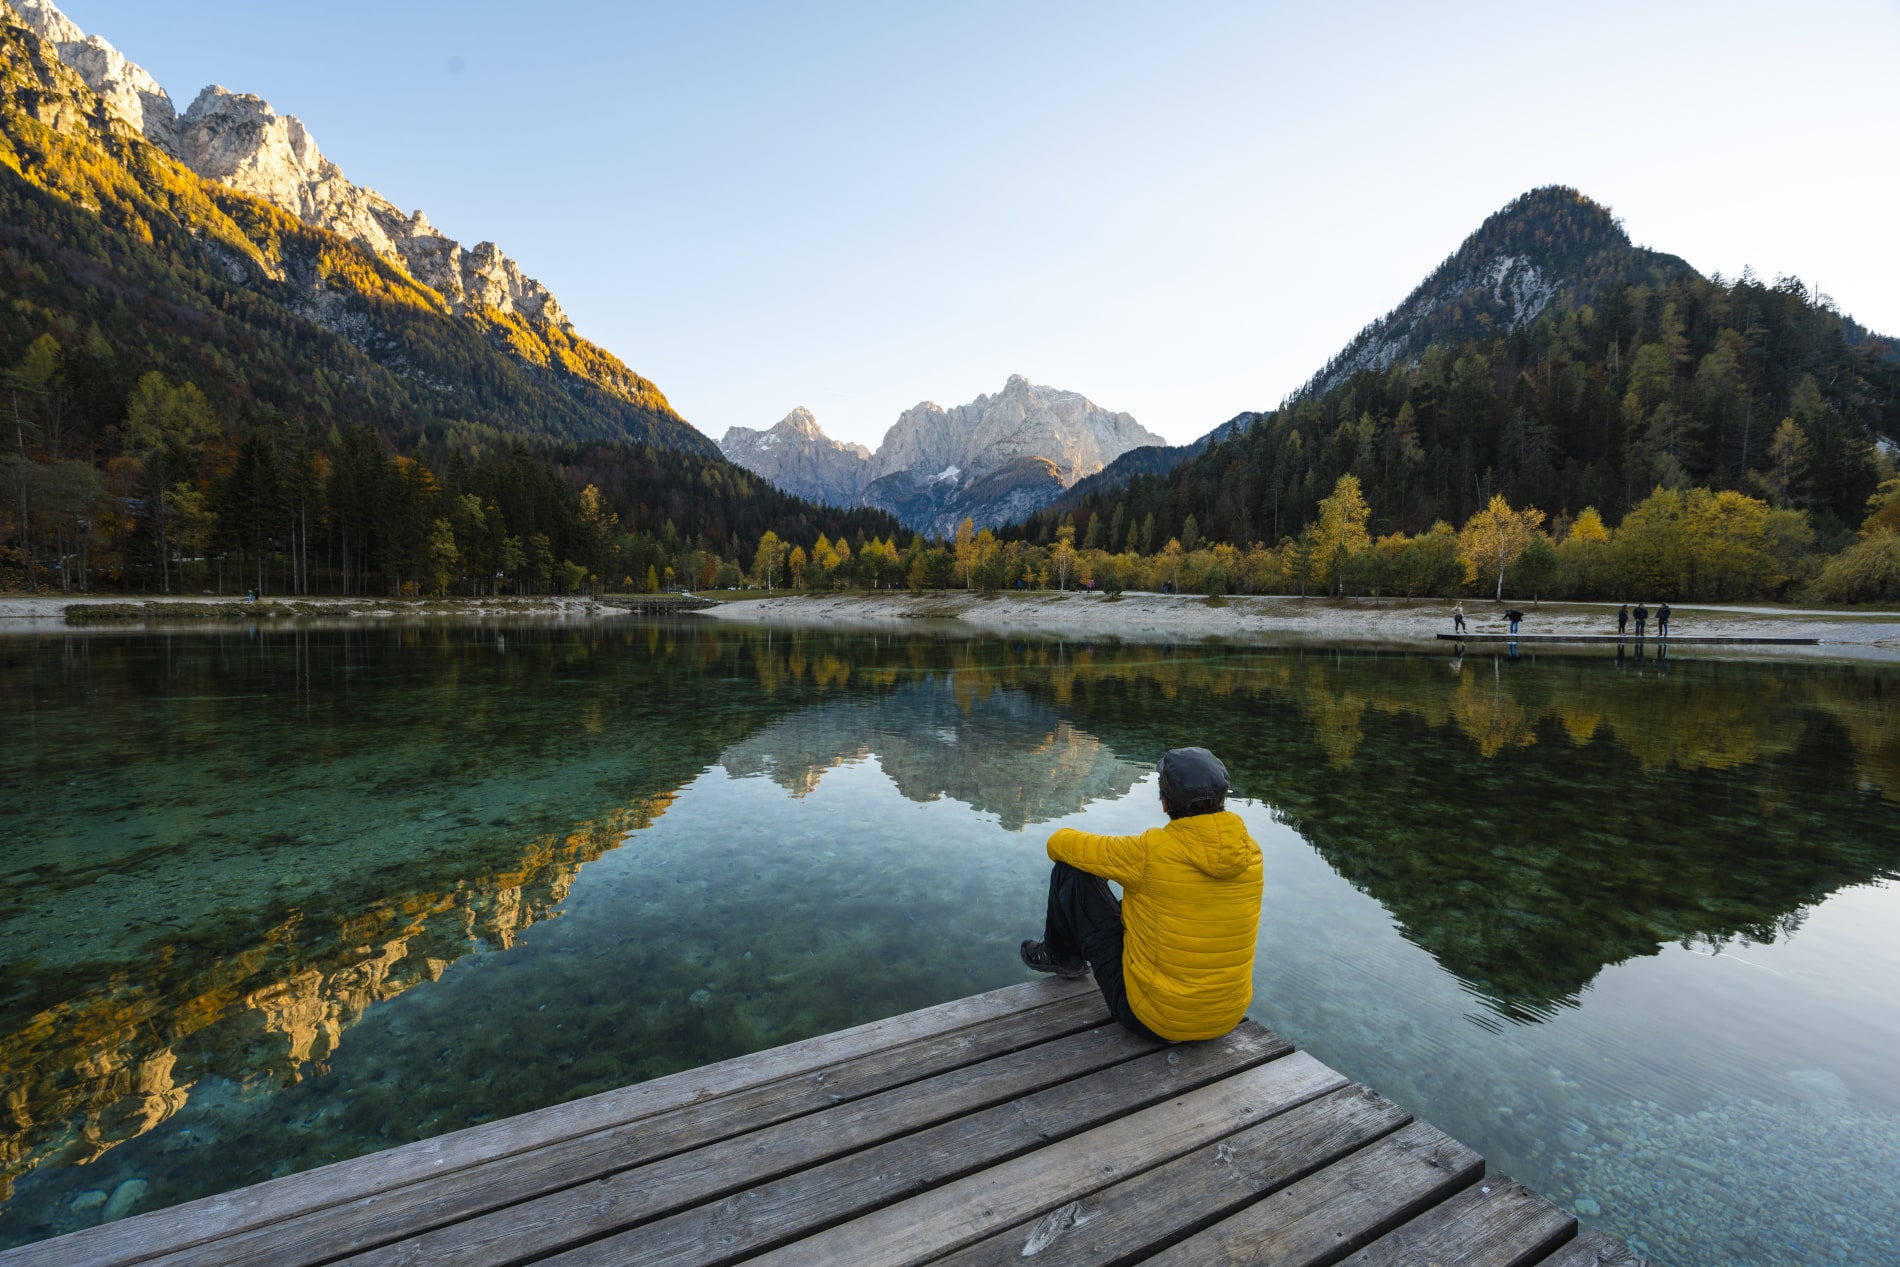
<point x="1018" y="1123"/>
<point x="1674" y="640"/>
<point x="656" y="604"/>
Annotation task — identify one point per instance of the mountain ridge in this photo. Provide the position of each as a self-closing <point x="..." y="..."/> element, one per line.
<point x="258" y="306"/>
<point x="1549" y="249"/>
<point x="1551" y="362"/>
<point x="1001" y="455"/>
<point x="1548" y="246"/>
<point x="239" y="140"/>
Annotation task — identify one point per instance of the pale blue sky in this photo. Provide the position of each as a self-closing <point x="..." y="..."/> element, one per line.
<point x="1180" y="210"/>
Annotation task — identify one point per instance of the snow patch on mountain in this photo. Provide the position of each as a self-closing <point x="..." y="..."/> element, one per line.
<point x="1034" y="440"/>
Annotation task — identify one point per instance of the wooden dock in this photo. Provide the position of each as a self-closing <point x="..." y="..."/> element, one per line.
<point x="1019" y="1123"/>
<point x="1651" y="641"/>
<point x="656" y="604"/>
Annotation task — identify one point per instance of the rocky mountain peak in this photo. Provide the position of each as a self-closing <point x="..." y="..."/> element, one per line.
<point x="994" y="459"/>
<point x="238" y="140"/>
<point x="131" y="93"/>
<point x="1546" y="250"/>
<point x="797" y="456"/>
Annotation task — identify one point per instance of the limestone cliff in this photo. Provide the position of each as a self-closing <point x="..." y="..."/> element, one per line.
<point x="238" y="140"/>
<point x="800" y="458"/>
<point x="1024" y="420"/>
<point x="994" y="460"/>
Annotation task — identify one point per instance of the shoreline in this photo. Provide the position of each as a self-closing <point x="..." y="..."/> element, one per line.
<point x="1141" y="617"/>
<point x="1259" y="618"/>
<point x="21" y="613"/>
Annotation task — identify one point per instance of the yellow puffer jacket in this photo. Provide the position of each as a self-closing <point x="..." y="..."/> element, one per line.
<point x="1190" y="910"/>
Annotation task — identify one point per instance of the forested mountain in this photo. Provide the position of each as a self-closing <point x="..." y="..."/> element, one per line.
<point x="194" y="374"/>
<point x="107" y="234"/>
<point x="1635" y="373"/>
<point x="1550" y="250"/>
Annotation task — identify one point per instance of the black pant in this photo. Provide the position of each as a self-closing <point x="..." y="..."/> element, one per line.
<point x="1085" y="922"/>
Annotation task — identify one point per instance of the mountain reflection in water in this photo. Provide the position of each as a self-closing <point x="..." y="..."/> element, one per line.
<point x="223" y="852"/>
<point x="1002" y="754"/>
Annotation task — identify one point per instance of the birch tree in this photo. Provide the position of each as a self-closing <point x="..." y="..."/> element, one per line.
<point x="1495" y="537"/>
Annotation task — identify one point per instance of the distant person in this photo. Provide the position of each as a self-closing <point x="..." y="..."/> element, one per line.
<point x="1622" y="619"/>
<point x="1173" y="958"/>
<point x="1514" y="615"/>
<point x="1662" y="620"/>
<point x="1458" y="618"/>
<point x="1642" y="618"/>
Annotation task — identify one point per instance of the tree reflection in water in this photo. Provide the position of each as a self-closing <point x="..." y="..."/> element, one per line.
<point x="225" y="850"/>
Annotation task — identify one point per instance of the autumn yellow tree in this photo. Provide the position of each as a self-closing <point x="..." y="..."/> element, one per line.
<point x="1064" y="555"/>
<point x="966" y="549"/>
<point x="1168" y="563"/>
<point x="1495" y="537"/>
<point x="1584" y="553"/>
<point x="768" y="559"/>
<point x="1340" y="533"/>
<point x="1883" y="508"/>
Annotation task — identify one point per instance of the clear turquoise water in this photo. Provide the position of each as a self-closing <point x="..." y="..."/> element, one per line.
<point x="269" y="900"/>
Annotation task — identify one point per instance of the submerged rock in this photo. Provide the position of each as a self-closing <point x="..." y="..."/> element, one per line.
<point x="124" y="1197"/>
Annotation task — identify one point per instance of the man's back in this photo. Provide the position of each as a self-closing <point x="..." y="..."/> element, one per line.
<point x="1191" y="911"/>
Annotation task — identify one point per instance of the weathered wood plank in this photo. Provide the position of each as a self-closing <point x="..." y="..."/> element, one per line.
<point x="968" y="1209"/>
<point x="416" y="1208"/>
<point x="754" y="1219"/>
<point x="1326" y="1216"/>
<point x="146" y="1236"/>
<point x="1593" y="1249"/>
<point x="1137" y="1217"/>
<point x="639" y="1195"/>
<point x="1496" y="1223"/>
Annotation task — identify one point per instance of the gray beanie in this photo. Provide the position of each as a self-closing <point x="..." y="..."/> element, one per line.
<point x="1191" y="777"/>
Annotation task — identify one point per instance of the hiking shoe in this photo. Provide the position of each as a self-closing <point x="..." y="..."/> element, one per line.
<point x="1036" y="956"/>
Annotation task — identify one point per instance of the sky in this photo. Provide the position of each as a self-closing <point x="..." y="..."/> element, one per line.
<point x="1178" y="210"/>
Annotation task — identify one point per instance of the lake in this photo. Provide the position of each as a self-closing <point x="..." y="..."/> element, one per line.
<point x="270" y="899"/>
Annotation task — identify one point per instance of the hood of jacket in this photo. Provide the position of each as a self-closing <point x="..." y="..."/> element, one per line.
<point x="1216" y="844"/>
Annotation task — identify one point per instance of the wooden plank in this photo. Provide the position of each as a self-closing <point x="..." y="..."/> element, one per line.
<point x="980" y="1204"/>
<point x="416" y="1208"/>
<point x="1326" y="1216"/>
<point x="756" y="1219"/>
<point x="1137" y="1217"/>
<point x="647" y="1192"/>
<point x="1650" y="640"/>
<point x="148" y="1235"/>
<point x="1496" y="1223"/>
<point x="1593" y="1249"/>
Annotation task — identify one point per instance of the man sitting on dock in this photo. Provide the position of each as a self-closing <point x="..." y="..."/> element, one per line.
<point x="1174" y="960"/>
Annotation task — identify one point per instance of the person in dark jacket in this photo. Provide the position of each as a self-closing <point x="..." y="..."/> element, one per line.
<point x="1642" y="618"/>
<point x="1622" y="619"/>
<point x="1514" y="615"/>
<point x="1662" y="620"/>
